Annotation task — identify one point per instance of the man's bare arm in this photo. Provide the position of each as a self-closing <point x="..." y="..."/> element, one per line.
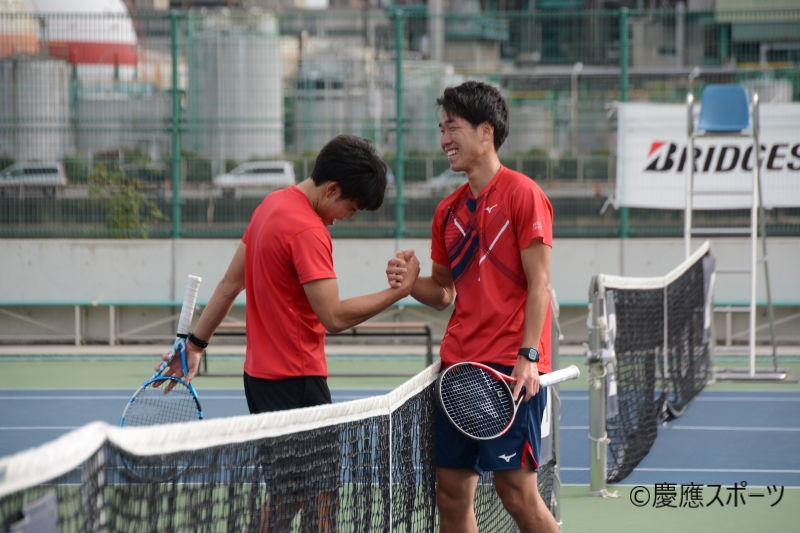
<point x="536" y="264"/>
<point x="337" y="315"/>
<point x="218" y="307"/>
<point x="221" y="302"/>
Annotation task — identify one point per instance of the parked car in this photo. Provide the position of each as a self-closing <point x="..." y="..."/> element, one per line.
<point x="446" y="182"/>
<point x="256" y="174"/>
<point x="48" y="177"/>
<point x="147" y="173"/>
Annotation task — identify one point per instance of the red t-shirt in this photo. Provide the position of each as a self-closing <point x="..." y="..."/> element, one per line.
<point x="480" y="240"/>
<point x="287" y="245"/>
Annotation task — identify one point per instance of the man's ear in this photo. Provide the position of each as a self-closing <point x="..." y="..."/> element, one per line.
<point x="332" y="189"/>
<point x="487" y="131"/>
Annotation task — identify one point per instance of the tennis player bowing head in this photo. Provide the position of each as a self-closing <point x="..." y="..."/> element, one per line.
<point x="285" y="265"/>
<point x="491" y="245"/>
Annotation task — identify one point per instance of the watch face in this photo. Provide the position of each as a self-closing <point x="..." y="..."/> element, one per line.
<point x="532" y="354"/>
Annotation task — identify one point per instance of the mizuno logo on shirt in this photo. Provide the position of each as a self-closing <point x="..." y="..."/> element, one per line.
<point x="537" y="225"/>
<point x="489" y="209"/>
<point x="507" y="458"/>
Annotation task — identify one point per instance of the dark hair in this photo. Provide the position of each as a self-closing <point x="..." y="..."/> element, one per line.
<point x="477" y="102"/>
<point x="354" y="164"/>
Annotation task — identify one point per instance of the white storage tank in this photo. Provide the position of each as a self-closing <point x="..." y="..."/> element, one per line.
<point x="235" y="93"/>
<point x="35" y="109"/>
<point x="96" y="36"/>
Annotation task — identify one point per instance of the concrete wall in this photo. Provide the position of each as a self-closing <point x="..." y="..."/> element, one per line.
<point x="48" y="271"/>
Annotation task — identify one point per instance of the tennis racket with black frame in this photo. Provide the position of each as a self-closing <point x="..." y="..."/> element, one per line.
<point x="478" y="402"/>
<point x="152" y="403"/>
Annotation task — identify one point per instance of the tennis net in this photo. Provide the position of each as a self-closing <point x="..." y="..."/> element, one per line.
<point x="360" y="466"/>
<point x="657" y="332"/>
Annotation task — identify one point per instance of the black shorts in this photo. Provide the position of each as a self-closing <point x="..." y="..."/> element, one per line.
<point x="301" y="462"/>
<point x="267" y="395"/>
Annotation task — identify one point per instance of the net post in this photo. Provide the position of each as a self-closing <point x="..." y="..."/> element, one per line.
<point x="598" y="438"/>
<point x="687" y="216"/>
<point x="428" y="344"/>
<point x="555" y="397"/>
<point x="665" y="361"/>
<point x="756" y="203"/>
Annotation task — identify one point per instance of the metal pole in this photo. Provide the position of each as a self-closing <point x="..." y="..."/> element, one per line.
<point x="399" y="162"/>
<point x="176" y="136"/>
<point x="680" y="33"/>
<point x="687" y="215"/>
<point x="762" y="219"/>
<point x="436" y="30"/>
<point x="555" y="396"/>
<point x="623" y="97"/>
<point x="754" y="242"/>
<point x="598" y="442"/>
<point x="624" y="50"/>
<point x="573" y="118"/>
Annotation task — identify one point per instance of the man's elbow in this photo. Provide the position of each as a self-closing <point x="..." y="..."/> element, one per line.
<point x="441" y="306"/>
<point x="539" y="284"/>
<point x="330" y="319"/>
<point x="333" y="327"/>
<point x="230" y="288"/>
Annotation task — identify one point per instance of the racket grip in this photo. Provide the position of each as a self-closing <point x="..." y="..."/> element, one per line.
<point x="189" y="300"/>
<point x="565" y="374"/>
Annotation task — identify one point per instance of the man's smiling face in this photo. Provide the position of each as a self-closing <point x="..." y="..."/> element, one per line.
<point x="461" y="142"/>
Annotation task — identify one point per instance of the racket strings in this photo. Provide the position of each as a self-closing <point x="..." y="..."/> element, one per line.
<point x="476" y="402"/>
<point x="151" y="406"/>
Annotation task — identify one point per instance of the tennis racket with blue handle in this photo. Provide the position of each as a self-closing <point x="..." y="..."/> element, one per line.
<point x="478" y="402"/>
<point x="153" y="403"/>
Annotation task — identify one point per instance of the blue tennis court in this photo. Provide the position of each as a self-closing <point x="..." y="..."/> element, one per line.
<point x="724" y="437"/>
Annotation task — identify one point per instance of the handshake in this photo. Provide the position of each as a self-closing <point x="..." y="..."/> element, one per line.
<point x="403" y="270"/>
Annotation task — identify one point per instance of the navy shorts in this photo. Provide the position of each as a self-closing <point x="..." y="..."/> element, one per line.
<point x="510" y="451"/>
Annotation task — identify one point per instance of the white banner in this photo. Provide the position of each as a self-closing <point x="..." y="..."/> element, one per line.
<point x="652" y="143"/>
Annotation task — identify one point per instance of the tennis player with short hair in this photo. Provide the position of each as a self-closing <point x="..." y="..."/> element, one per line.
<point x="285" y="265"/>
<point x="491" y="246"/>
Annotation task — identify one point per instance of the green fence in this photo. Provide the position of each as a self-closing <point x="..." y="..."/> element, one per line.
<point x="140" y="113"/>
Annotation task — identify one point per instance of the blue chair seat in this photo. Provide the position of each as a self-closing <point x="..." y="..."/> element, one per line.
<point x="725" y="109"/>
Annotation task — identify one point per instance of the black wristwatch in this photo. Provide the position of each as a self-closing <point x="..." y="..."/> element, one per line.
<point x="201" y="343"/>
<point x="531" y="354"/>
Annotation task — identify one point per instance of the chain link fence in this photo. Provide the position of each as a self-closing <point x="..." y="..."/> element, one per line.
<point x="127" y="125"/>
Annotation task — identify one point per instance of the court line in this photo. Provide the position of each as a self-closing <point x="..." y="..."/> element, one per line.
<point x="697" y="470"/>
<point x="240" y="396"/>
<point x="705" y="399"/>
<point x="734" y="428"/>
<point x="745" y="399"/>
<point x="123" y="398"/>
<point x="24" y="428"/>
<point x="708" y="428"/>
<point x="615" y="485"/>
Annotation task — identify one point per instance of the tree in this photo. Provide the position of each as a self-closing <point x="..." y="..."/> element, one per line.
<point x="123" y="199"/>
